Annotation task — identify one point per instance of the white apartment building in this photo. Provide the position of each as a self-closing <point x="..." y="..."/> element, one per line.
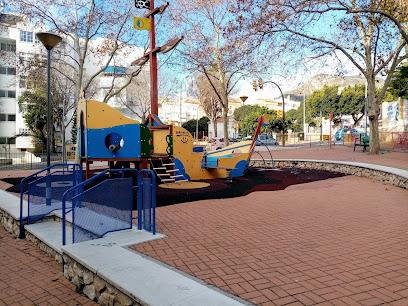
<point x="17" y="38"/>
<point x="18" y="41"/>
<point x="178" y="112"/>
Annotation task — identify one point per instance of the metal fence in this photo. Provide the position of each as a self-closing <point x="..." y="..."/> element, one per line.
<point x="108" y="206"/>
<point x="27" y="160"/>
<point x="45" y="189"/>
<point x="389" y="140"/>
<point x="302" y="140"/>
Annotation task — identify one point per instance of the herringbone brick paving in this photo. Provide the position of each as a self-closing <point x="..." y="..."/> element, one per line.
<point x="342" y="241"/>
<point x="30" y="277"/>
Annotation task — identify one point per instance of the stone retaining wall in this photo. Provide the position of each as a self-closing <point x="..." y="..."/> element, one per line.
<point x="94" y="287"/>
<point x="378" y="175"/>
<point x="9" y="223"/>
<point x="43" y="247"/>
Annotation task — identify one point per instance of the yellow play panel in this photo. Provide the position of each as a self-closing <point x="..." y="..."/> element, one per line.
<point x="185" y="185"/>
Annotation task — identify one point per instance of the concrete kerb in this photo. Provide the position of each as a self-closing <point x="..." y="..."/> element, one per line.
<point x="393" y="176"/>
<point x="107" y="272"/>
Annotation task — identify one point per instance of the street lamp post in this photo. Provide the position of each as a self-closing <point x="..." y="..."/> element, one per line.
<point x="321" y="123"/>
<point x="283" y="109"/>
<point x="49" y="40"/>
<point x="243" y="99"/>
<point x="197" y="123"/>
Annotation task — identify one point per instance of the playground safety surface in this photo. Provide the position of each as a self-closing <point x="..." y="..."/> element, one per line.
<point x="254" y="180"/>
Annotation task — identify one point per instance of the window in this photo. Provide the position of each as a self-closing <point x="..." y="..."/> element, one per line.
<point x="23" y="36"/>
<point x="26" y="36"/>
<point x="11" y="70"/>
<point x="36" y="40"/>
<point x="11" y="94"/>
<point x="3" y="140"/>
<point x="12" y="141"/>
<point x="2" y="93"/>
<point x="7" y="47"/>
<point x="23" y="83"/>
<point x="11" y="118"/>
<point x="2" y="117"/>
<point x="8" y="70"/>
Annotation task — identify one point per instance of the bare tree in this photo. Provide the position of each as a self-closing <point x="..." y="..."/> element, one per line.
<point x="209" y="101"/>
<point x="80" y="22"/>
<point x="206" y="49"/>
<point x="137" y="97"/>
<point x="369" y="41"/>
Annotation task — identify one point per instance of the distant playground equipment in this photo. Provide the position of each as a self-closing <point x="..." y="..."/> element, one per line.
<point x="107" y="135"/>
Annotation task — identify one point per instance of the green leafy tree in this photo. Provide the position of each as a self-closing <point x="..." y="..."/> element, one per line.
<point x="203" y="124"/>
<point x="326" y="100"/>
<point x="399" y="82"/>
<point x="191" y="125"/>
<point x="352" y="101"/>
<point x="292" y="122"/>
<point x="33" y="105"/>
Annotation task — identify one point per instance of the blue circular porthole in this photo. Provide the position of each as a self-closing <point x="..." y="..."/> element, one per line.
<point x="113" y="142"/>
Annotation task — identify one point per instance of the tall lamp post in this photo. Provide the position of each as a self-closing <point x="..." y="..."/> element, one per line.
<point x="49" y="40"/>
<point x="283" y="107"/>
<point x="321" y="123"/>
<point x="243" y="99"/>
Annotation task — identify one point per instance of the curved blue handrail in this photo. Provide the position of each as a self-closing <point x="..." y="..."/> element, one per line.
<point x="36" y="177"/>
<point x="64" y="197"/>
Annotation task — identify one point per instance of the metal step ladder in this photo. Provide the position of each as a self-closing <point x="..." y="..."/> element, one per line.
<point x="166" y="172"/>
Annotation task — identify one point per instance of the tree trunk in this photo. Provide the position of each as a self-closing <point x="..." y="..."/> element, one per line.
<point x="225" y="119"/>
<point x="214" y="123"/>
<point x="374" y="135"/>
<point x="373" y="112"/>
<point x="63" y="141"/>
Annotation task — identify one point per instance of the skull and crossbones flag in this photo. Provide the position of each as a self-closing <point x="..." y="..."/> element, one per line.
<point x="142" y="4"/>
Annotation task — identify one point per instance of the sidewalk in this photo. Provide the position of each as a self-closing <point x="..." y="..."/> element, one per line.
<point x="30" y="277"/>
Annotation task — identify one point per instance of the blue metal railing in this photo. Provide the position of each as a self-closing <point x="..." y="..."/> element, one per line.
<point x="148" y="213"/>
<point x="98" y="203"/>
<point x="39" y="190"/>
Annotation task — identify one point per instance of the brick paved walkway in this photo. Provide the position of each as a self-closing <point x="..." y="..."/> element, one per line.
<point x="30" y="277"/>
<point x="342" y="241"/>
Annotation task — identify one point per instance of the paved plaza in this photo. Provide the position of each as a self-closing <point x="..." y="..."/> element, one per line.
<point x="340" y="241"/>
<point x="30" y="277"/>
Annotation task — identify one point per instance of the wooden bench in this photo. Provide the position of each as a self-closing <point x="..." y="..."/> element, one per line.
<point x="364" y="142"/>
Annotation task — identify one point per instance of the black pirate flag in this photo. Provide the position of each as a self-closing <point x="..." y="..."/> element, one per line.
<point x="142" y="4"/>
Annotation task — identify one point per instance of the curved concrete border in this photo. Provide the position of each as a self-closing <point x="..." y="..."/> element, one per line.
<point x="393" y="176"/>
